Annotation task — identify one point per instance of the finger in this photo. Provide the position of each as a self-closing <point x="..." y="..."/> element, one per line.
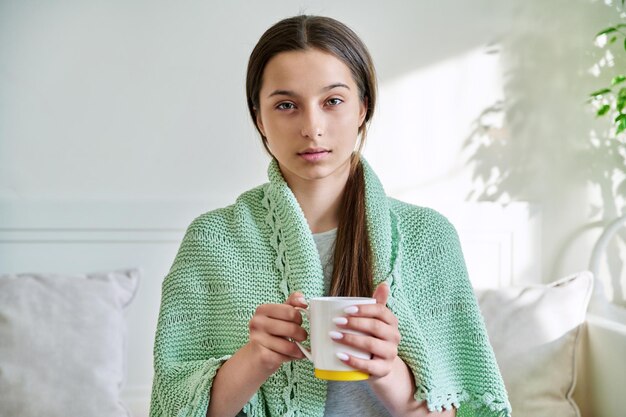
<point x="377" y="347"/>
<point x="280" y="328"/>
<point x="279" y="312"/>
<point x="375" y="368"/>
<point x="280" y="346"/>
<point x="373" y="327"/>
<point x="381" y="294"/>
<point x="297" y="299"/>
<point x="378" y="311"/>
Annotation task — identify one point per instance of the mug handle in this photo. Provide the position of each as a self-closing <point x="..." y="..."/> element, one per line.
<point x="304" y="350"/>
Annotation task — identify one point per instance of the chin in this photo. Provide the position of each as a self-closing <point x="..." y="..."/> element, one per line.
<point x="316" y="173"/>
<point x="321" y="171"/>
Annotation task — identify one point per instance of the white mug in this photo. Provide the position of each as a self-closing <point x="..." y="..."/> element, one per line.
<point x="323" y="353"/>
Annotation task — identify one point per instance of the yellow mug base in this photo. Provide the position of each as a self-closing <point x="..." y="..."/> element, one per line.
<point x="341" y="375"/>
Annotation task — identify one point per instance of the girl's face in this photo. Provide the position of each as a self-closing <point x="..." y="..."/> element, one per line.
<point x="310" y="112"/>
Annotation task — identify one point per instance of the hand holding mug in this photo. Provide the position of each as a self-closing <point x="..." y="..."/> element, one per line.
<point x="379" y="335"/>
<point x="323" y="352"/>
<point x="272" y="327"/>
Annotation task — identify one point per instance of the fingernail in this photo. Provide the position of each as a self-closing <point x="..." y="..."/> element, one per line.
<point x="301" y="300"/>
<point x="335" y="335"/>
<point x="342" y="356"/>
<point x="351" y="310"/>
<point x="340" y="320"/>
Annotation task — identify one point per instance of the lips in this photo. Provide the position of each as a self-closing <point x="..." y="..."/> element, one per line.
<point x="314" y="154"/>
<point x="313" y="151"/>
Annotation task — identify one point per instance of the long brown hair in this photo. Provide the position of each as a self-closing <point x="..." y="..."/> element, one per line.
<point x="352" y="265"/>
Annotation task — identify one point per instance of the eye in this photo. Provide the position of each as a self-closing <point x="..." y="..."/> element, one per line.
<point x="286" y="106"/>
<point x="334" y="101"/>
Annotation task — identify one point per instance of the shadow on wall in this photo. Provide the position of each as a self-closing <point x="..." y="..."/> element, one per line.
<point x="541" y="142"/>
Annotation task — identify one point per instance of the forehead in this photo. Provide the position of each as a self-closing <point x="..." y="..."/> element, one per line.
<point x="308" y="69"/>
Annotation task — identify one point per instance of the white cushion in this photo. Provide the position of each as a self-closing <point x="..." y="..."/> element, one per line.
<point x="534" y="333"/>
<point x="63" y="343"/>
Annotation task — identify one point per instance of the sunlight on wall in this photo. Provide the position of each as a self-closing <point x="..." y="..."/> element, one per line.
<point x="416" y="146"/>
<point x="422" y="120"/>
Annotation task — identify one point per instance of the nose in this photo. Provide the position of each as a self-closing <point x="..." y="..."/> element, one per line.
<point x="312" y="124"/>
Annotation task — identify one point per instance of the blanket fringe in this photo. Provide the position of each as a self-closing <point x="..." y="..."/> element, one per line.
<point x="482" y="405"/>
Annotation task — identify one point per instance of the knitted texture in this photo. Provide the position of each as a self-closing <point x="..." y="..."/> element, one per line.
<point x="260" y="249"/>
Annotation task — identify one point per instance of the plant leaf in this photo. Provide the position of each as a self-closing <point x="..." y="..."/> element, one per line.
<point x="621" y="103"/>
<point x="600" y="92"/>
<point x="621" y="126"/>
<point x="612" y="40"/>
<point x="607" y="30"/>
<point x="603" y="110"/>
<point x="622" y="92"/>
<point x="618" y="79"/>
<point x="620" y="118"/>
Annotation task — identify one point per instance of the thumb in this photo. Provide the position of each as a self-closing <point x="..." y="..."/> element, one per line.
<point x="296" y="299"/>
<point x="381" y="294"/>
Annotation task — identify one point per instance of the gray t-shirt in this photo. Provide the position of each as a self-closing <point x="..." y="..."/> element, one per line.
<point x="345" y="399"/>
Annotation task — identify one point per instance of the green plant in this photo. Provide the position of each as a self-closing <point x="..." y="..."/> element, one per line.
<point x="610" y="101"/>
<point x="539" y="143"/>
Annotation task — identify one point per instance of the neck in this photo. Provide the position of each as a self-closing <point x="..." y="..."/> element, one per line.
<point x="320" y="199"/>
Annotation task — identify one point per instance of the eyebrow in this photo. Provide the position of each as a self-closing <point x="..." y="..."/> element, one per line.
<point x="293" y="94"/>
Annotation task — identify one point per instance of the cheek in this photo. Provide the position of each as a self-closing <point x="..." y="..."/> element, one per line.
<point x="279" y="122"/>
<point x="348" y="119"/>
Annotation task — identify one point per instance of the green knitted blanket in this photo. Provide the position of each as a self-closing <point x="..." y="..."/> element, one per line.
<point x="260" y="249"/>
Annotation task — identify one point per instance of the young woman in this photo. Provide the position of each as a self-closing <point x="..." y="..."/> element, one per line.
<point x="321" y="226"/>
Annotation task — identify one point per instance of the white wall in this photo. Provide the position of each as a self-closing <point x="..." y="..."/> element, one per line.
<point x="145" y="100"/>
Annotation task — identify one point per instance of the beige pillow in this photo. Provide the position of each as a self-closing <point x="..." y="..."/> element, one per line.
<point x="534" y="333"/>
<point x="63" y="343"/>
